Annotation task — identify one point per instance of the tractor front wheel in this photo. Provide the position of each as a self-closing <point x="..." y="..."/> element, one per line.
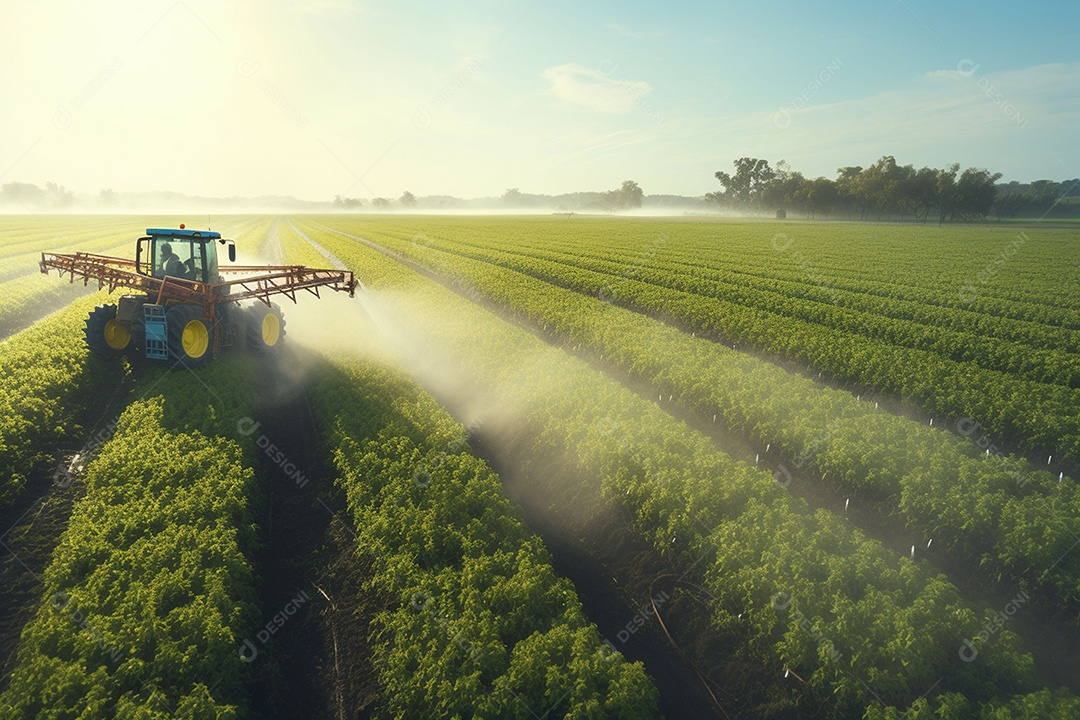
<point x="265" y="327"/>
<point x="192" y="340"/>
<point x="105" y="335"/>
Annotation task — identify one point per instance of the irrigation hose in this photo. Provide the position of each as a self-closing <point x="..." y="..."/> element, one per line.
<point x="337" y="664"/>
<point x="701" y="676"/>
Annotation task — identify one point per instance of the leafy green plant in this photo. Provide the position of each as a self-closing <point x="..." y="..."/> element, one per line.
<point x="997" y="513"/>
<point x="46" y="381"/>
<point x="149" y="592"/>
<point x="479" y="624"/>
<point x="800" y="590"/>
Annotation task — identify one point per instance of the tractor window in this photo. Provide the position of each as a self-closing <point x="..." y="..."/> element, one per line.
<point x="178" y="258"/>
<point x="211" y="263"/>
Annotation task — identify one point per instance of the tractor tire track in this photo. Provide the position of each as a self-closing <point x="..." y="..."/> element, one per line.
<point x="318" y="658"/>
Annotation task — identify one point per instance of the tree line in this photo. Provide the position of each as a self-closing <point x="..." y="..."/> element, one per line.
<point x="31" y="197"/>
<point x="885" y="190"/>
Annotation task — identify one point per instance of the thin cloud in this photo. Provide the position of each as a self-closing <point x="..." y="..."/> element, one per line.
<point x="623" y="31"/>
<point x="594" y="90"/>
<point x="954" y="74"/>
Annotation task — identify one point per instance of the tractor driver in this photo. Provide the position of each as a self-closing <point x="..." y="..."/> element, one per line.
<point x="170" y="263"/>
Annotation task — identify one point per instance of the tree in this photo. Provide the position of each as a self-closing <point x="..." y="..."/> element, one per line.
<point x="746" y="185"/>
<point x="782" y="190"/>
<point x="847" y="188"/>
<point x="512" y="197"/>
<point x="381" y="203"/>
<point x="921" y="192"/>
<point x="817" y="196"/>
<point x="880" y="184"/>
<point x="946" y="192"/>
<point x="408" y="199"/>
<point x="347" y="203"/>
<point x="107" y="198"/>
<point x="975" y="193"/>
<point x="59" y="196"/>
<point x="31" y="197"/>
<point x="627" y="196"/>
<point x="1042" y="194"/>
<point x="630" y="194"/>
<point x="1034" y="198"/>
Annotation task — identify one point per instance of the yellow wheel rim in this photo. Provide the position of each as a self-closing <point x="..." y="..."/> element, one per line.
<point x="116" y="335"/>
<point x="195" y="339"/>
<point x="271" y="329"/>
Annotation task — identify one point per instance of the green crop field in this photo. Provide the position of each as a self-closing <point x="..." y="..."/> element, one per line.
<point x="556" y="466"/>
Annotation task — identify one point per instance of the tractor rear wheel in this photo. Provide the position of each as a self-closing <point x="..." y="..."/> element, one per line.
<point x="105" y="335"/>
<point x="192" y="340"/>
<point x="265" y="327"/>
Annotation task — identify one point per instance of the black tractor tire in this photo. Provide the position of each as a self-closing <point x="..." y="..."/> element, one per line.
<point x="192" y="339"/>
<point x="265" y="327"/>
<point x="138" y="340"/>
<point x="105" y="335"/>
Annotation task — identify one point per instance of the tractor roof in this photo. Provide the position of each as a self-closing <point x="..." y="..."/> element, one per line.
<point x="201" y="234"/>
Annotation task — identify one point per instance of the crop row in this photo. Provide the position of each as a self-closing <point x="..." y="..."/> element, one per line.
<point x="46" y="382"/>
<point x="919" y="264"/>
<point x="478" y="624"/>
<point x="296" y="249"/>
<point x="1012" y="410"/>
<point x="28" y="299"/>
<point x="475" y="603"/>
<point x="149" y="590"/>
<point x="1042" y="353"/>
<point x="250" y="235"/>
<point x="995" y="512"/>
<point x="786" y="271"/>
<point x="29" y="263"/>
<point x="52" y="233"/>
<point x="800" y="590"/>
<point x="915" y="267"/>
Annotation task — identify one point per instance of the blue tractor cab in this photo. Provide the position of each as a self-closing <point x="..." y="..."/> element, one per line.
<point x="182" y="253"/>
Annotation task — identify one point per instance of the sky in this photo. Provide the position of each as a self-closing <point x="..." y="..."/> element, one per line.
<point x="319" y="98"/>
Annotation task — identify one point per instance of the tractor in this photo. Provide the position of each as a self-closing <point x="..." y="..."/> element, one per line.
<point x="186" y="306"/>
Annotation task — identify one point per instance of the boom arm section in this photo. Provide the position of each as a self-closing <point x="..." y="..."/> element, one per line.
<point x="259" y="282"/>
